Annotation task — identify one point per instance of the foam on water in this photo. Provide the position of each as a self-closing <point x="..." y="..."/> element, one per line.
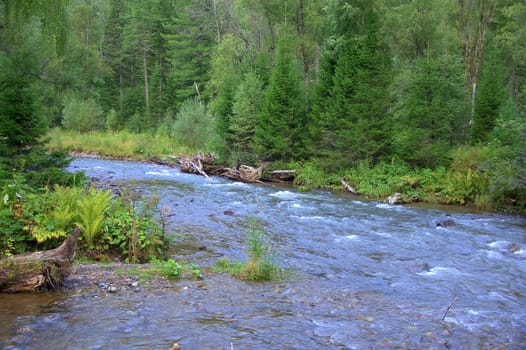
<point x="346" y="238"/>
<point x="164" y="172"/>
<point x="284" y="194"/>
<point x="439" y="270"/>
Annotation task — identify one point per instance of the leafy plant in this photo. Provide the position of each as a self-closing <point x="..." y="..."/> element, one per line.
<point x="171" y="269"/>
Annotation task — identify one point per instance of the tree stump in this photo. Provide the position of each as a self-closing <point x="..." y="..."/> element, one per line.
<point x="33" y="271"/>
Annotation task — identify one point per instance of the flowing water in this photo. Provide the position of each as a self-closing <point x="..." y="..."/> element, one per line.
<point x="363" y="275"/>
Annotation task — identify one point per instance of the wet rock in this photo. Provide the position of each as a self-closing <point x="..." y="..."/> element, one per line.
<point x="228" y="212"/>
<point x="446" y="221"/>
<point x="420" y="267"/>
<point x="395" y="198"/>
<point x="514" y="248"/>
<point x="414" y="198"/>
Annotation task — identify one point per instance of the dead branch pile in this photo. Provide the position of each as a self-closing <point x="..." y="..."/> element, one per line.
<point x="203" y="164"/>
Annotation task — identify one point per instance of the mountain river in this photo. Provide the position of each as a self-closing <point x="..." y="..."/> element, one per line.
<point x="361" y="275"/>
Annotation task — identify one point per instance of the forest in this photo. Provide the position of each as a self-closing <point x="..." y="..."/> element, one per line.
<point x="427" y="98"/>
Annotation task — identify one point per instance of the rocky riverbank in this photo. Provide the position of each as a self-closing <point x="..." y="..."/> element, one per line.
<point x="120" y="278"/>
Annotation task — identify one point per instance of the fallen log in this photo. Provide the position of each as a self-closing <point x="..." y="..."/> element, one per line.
<point x="33" y="271"/>
<point x="203" y="164"/>
<point x="282" y="175"/>
<point x="348" y="187"/>
<point x="243" y="173"/>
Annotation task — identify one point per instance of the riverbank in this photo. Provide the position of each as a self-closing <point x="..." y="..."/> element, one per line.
<point x="466" y="182"/>
<point x="122" y="279"/>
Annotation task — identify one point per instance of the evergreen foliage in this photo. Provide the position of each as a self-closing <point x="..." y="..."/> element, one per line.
<point x="246" y="109"/>
<point x="189" y="45"/>
<point x="21" y="122"/>
<point x="491" y="97"/>
<point x="430" y="111"/>
<point x="350" y="116"/>
<point x="279" y="129"/>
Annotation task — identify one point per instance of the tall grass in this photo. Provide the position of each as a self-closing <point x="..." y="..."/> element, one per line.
<point x="122" y="144"/>
<point x="260" y="265"/>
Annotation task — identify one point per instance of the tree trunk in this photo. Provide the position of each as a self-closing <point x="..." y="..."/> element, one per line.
<point x="34" y="271"/>
<point x="146" y="84"/>
<point x="474" y="47"/>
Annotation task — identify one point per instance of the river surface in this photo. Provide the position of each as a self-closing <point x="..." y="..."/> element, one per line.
<point x="362" y="275"/>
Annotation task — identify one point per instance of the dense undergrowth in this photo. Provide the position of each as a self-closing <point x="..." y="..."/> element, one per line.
<point x="480" y="177"/>
<point x="124" y="227"/>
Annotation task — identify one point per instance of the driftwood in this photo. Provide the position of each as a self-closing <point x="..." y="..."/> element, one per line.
<point x="34" y="271"/>
<point x="243" y="173"/>
<point x="348" y="187"/>
<point x="282" y="175"/>
<point x="203" y="164"/>
<point x="195" y="164"/>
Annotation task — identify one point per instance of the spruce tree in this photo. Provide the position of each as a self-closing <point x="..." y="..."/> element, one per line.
<point x="189" y="41"/>
<point x="430" y="111"/>
<point x="280" y="125"/>
<point x="349" y="118"/>
<point x="491" y="96"/>
<point x="246" y="109"/>
<point x="21" y="123"/>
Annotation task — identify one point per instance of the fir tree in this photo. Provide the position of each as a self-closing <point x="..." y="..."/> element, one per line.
<point x="429" y="111"/>
<point x="21" y="123"/>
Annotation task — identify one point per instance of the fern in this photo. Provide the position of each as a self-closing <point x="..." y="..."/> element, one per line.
<point x="91" y="210"/>
<point x="42" y="234"/>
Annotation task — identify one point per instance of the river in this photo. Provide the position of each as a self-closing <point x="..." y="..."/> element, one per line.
<point x="362" y="275"/>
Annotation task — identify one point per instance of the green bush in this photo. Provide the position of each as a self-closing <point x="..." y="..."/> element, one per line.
<point x="82" y="115"/>
<point x="193" y="125"/>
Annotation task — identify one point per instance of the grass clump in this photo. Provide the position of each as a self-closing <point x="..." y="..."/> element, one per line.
<point x="260" y="265"/>
<point x="121" y="144"/>
<point x="169" y="269"/>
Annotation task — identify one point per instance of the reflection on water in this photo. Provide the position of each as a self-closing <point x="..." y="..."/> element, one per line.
<point x="364" y="274"/>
